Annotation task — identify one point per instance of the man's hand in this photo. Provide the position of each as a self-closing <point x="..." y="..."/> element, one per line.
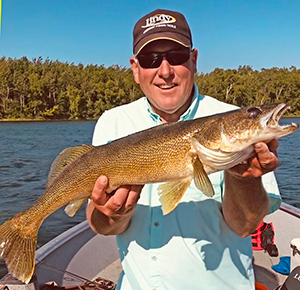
<point x="245" y="200"/>
<point x="118" y="202"/>
<point x="110" y="213"/>
<point x="264" y="161"/>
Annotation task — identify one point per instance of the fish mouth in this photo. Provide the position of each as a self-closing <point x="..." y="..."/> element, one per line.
<point x="274" y="118"/>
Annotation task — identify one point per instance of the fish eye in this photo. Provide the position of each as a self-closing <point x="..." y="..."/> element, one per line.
<point x="254" y="112"/>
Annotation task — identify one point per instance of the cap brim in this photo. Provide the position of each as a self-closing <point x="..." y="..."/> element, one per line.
<point x="177" y="38"/>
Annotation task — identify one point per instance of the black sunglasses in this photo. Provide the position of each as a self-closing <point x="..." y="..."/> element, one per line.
<point x="154" y="59"/>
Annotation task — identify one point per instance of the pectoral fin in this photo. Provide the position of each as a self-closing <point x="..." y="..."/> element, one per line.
<point x="171" y="193"/>
<point x="201" y="179"/>
<point x="74" y="206"/>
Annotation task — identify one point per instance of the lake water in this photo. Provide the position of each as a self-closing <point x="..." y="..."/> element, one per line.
<point x="28" y="149"/>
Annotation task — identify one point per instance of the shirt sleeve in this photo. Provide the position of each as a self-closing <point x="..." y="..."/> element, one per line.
<point x="103" y="132"/>
<point x="271" y="187"/>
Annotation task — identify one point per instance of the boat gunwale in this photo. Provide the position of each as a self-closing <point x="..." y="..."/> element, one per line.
<point x="290" y="209"/>
<point x="60" y="240"/>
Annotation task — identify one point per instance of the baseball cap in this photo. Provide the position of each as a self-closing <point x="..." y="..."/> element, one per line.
<point x="161" y="24"/>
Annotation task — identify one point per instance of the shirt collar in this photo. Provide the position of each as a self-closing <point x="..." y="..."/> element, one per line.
<point x="155" y="117"/>
<point x="187" y="115"/>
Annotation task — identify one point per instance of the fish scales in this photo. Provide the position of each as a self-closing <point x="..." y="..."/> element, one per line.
<point x="149" y="157"/>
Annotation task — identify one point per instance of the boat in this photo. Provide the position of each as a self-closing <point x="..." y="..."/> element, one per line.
<point x="79" y="256"/>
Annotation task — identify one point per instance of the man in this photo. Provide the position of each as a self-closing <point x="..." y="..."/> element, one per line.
<point x="203" y="243"/>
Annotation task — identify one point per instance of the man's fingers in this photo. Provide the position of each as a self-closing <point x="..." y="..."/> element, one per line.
<point x="273" y="145"/>
<point x="267" y="159"/>
<point x="117" y="201"/>
<point x="264" y="161"/>
<point x="133" y="196"/>
<point x="99" y="192"/>
<point x="124" y="199"/>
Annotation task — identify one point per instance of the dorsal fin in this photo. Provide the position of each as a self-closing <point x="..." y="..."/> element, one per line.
<point x="65" y="158"/>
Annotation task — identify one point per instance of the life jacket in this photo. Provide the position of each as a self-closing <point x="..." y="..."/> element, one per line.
<point x="263" y="239"/>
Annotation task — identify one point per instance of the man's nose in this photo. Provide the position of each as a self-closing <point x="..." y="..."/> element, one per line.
<point x="165" y="70"/>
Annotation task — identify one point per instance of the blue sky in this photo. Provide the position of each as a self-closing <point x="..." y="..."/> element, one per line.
<point x="262" y="34"/>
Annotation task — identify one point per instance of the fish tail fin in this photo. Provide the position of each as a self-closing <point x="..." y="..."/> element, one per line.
<point x="17" y="248"/>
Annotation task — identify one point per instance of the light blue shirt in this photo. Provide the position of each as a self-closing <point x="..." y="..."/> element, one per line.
<point x="192" y="247"/>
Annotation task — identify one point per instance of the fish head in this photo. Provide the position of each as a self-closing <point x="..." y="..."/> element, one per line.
<point x="241" y="128"/>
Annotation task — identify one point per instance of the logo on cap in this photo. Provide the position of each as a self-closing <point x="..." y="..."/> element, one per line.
<point x="159" y="19"/>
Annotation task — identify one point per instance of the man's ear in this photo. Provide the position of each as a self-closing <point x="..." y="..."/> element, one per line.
<point x="194" y="59"/>
<point x="135" y="69"/>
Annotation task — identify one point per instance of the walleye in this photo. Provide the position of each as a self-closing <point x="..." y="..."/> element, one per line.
<point x="172" y="153"/>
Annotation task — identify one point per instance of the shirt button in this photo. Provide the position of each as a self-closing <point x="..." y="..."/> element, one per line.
<point x="154" y="258"/>
<point x="156" y="224"/>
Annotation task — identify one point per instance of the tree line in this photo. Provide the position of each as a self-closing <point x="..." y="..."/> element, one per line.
<point x="46" y="89"/>
<point x="246" y="87"/>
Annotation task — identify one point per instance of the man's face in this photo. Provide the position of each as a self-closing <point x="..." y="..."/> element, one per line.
<point x="167" y="87"/>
